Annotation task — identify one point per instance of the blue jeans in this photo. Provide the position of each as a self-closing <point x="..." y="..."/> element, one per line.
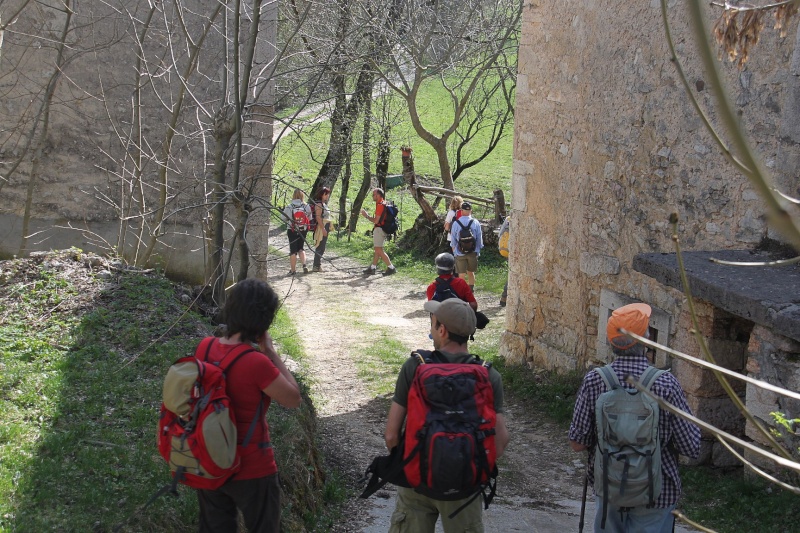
<point x="637" y="520"/>
<point x="321" y="248"/>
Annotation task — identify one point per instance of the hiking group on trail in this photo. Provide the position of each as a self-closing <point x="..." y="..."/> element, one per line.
<point x="446" y="425"/>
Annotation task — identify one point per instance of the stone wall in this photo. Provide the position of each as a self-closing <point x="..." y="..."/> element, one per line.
<point x="607" y="146"/>
<point x="727" y="338"/>
<point x="72" y="175"/>
<point x="775" y="359"/>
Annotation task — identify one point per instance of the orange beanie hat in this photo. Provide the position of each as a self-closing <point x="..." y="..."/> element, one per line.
<point x="634" y="318"/>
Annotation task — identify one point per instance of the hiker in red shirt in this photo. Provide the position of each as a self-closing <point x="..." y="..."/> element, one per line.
<point x="378" y="236"/>
<point x="446" y="285"/>
<point x="258" y="378"/>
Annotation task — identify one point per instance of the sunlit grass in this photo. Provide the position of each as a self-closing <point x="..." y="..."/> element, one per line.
<point x="299" y="155"/>
<point x="81" y="376"/>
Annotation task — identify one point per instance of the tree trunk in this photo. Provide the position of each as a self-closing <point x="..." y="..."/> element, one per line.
<point x="348" y="170"/>
<point x="171" y="129"/>
<point x="44" y="118"/>
<point x="342" y="128"/>
<point x="224" y="128"/>
<point x="409" y="176"/>
<point x="243" y="210"/>
<point x="366" y="140"/>
<point x="444" y="164"/>
<point x="358" y="202"/>
<point x="382" y="157"/>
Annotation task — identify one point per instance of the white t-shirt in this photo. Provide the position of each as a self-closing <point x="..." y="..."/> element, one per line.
<point x="451" y="214"/>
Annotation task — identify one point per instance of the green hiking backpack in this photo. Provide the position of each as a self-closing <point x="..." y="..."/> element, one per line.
<point x="627" y="462"/>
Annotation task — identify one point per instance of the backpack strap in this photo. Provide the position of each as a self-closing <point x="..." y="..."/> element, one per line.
<point x="208" y="342"/>
<point x="205" y="343"/>
<point x="649" y="377"/>
<point x="388" y="469"/>
<point x="226" y="368"/>
<point x="462" y="225"/>
<point x="381" y="219"/>
<point x="250" y="430"/>
<point x="427" y="357"/>
<point x="442" y="284"/>
<point x="424" y="356"/>
<point x="476" y="360"/>
<point x="609" y="377"/>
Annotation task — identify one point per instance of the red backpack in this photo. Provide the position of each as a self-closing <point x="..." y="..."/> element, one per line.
<point x="300" y="221"/>
<point x="312" y="222"/>
<point x="197" y="426"/>
<point x="449" y="448"/>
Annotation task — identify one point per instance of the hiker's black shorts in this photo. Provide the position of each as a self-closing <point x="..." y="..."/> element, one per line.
<point x="296" y="241"/>
<point x="259" y="500"/>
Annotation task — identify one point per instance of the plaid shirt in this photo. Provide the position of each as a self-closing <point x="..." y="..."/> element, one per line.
<point x="672" y="430"/>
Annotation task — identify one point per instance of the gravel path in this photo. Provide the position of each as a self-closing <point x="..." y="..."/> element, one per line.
<point x="341" y="314"/>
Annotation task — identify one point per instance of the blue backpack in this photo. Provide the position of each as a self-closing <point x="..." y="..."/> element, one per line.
<point x="443" y="290"/>
<point x="388" y="221"/>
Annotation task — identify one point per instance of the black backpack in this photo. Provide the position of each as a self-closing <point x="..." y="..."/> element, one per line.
<point x="466" y="239"/>
<point x="388" y="222"/>
<point x="443" y="290"/>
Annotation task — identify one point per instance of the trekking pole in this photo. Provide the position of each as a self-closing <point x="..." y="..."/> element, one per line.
<point x="583" y="500"/>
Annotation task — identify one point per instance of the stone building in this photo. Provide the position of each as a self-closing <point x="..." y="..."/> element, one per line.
<point x="607" y="146"/>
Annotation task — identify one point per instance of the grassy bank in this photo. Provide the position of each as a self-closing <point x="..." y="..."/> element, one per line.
<point x="728" y="502"/>
<point x="84" y="352"/>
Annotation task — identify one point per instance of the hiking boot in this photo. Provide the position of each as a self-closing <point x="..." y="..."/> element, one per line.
<point x="305" y="269"/>
<point x="316" y="269"/>
<point x="390" y="271"/>
<point x="291" y="273"/>
<point x="370" y="271"/>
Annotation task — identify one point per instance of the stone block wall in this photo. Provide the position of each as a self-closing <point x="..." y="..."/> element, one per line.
<point x="775" y="359"/>
<point x="727" y="338"/>
<point x="606" y="147"/>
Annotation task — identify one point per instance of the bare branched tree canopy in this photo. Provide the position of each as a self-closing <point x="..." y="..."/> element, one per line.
<point x="149" y="124"/>
<point x="469" y="49"/>
<point x="155" y="117"/>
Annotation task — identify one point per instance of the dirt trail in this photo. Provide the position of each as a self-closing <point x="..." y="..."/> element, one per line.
<point x="340" y="314"/>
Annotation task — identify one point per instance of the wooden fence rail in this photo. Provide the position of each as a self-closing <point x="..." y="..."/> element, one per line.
<point x="497" y="202"/>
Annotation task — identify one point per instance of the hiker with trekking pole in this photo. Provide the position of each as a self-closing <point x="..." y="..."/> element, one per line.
<point x="630" y="441"/>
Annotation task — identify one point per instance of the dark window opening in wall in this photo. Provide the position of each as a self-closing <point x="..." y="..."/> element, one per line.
<point x="730" y="336"/>
<point x="731" y="327"/>
<point x="652" y="333"/>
